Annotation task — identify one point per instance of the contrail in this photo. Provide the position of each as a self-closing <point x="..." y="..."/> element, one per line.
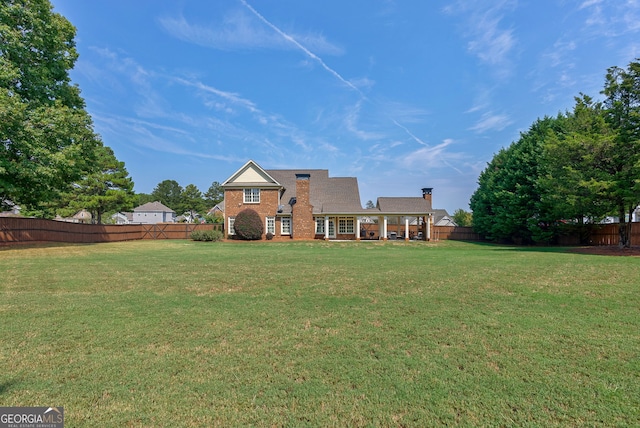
<point x="418" y="140"/>
<point x="301" y="47"/>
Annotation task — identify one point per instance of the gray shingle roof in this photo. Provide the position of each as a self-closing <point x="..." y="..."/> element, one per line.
<point x="333" y="195"/>
<point x="153" y="207"/>
<point x="403" y="205"/>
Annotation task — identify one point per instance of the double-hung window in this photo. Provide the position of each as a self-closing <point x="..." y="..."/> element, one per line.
<point x="271" y="225"/>
<point x="285" y="225"/>
<point x="320" y="225"/>
<point x="251" y="196"/>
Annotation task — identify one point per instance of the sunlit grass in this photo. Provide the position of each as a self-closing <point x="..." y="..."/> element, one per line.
<point x="181" y="333"/>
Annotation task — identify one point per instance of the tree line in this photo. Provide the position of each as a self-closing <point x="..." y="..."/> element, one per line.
<point x="188" y="200"/>
<point x="567" y="172"/>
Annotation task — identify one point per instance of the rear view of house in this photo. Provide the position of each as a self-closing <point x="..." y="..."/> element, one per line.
<point x="309" y="204"/>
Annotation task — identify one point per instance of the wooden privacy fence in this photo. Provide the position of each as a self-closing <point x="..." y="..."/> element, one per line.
<point x="608" y="234"/>
<point x="19" y="230"/>
<point x="454" y="233"/>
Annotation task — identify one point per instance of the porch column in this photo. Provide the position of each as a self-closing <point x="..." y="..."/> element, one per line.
<point x="326" y="228"/>
<point x="384" y="229"/>
<point x="429" y="227"/>
<point x="358" y="229"/>
<point x="406" y="228"/>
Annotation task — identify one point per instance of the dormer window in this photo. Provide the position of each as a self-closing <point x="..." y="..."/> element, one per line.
<point x="251" y="196"/>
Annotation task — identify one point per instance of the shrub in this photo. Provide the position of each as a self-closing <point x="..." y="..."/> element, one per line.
<point x="207" y="235"/>
<point x="248" y="225"/>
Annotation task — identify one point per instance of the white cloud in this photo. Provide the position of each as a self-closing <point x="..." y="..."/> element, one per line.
<point x="231" y="97"/>
<point x="490" y="121"/>
<point x="351" y="123"/>
<point x="433" y="157"/>
<point x="489" y="40"/>
<point x="612" y="18"/>
<point x="241" y="31"/>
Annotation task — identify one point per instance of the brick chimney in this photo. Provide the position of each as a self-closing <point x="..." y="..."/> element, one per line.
<point x="302" y="211"/>
<point x="426" y="194"/>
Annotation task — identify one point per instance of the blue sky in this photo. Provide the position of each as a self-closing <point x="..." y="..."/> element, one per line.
<point x="400" y="94"/>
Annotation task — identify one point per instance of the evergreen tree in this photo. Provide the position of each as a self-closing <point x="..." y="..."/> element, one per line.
<point x="192" y="201"/>
<point x="107" y="189"/>
<point x="214" y="195"/>
<point x="169" y="193"/>
<point x="622" y="89"/>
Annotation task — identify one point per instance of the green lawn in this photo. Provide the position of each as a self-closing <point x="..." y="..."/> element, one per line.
<point x="180" y="333"/>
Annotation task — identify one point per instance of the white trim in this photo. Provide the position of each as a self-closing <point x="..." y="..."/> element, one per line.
<point x="282" y="223"/>
<point x="235" y="175"/>
<point x="251" y="196"/>
<point x="267" y="229"/>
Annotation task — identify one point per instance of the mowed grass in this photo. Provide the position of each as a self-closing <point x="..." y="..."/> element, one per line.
<point x="180" y="333"/>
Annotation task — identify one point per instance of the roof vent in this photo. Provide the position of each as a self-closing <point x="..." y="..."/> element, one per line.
<point x="280" y="208"/>
<point x="292" y="201"/>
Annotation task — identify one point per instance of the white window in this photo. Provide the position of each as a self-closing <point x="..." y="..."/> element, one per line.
<point x="251" y="196"/>
<point x="345" y="225"/>
<point x="320" y="225"/>
<point x="285" y="225"/>
<point x="271" y="225"/>
<point x="231" y="229"/>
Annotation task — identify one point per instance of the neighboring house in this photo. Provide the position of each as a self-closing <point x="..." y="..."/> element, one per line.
<point x="122" y="218"/>
<point x="152" y="213"/>
<point x="308" y="204"/>
<point x="82" y="216"/>
<point x="189" y="218"/>
<point x="217" y="210"/>
<point x="441" y="218"/>
<point x="13" y="212"/>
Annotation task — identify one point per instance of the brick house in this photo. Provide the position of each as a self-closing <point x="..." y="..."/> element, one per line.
<point x="309" y="204"/>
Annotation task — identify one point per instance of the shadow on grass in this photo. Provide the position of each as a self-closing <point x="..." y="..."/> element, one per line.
<point x="612" y="250"/>
<point x="6" y="246"/>
<point x="7" y="385"/>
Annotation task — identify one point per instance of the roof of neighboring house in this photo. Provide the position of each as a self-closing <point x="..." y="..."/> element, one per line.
<point x="153" y="207"/>
<point x="438" y="214"/>
<point x="83" y="215"/>
<point x="218" y="207"/>
<point x="127" y="215"/>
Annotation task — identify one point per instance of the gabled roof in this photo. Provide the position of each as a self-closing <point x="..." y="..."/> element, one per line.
<point x="403" y="205"/>
<point x="439" y="214"/>
<point x="327" y="195"/>
<point x="218" y="207"/>
<point x="153" y="207"/>
<point x="251" y="174"/>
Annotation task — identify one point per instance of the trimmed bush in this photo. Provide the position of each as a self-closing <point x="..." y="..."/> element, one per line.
<point x="207" y="235"/>
<point x="248" y="225"/>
